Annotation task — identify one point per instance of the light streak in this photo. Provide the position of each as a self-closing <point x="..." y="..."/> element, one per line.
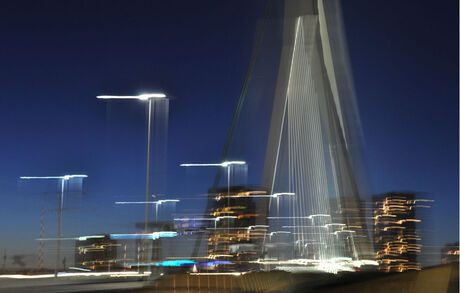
<point x="188" y="257"/>
<point x="134" y="202"/>
<point x="175" y="263"/>
<point x="194" y="219"/>
<point x="142" y="97"/>
<point x="343" y="231"/>
<point x="282" y="193"/>
<point x="216" y="219"/>
<point x="153" y="236"/>
<point x="168" y="263"/>
<point x="65" y="177"/>
<point x="27" y="276"/>
<point x="219" y="274"/>
<point x="324" y="226"/>
<point x="79" y="269"/>
<point x="279" y="232"/>
<point x="301" y="217"/>
<point x="214" y="256"/>
<point x="227" y="228"/>
<point x="84" y="238"/>
<point x="332" y="265"/>
<point x="216" y="262"/>
<point x="82" y="274"/>
<point x="158" y="202"/>
<point x="223" y="164"/>
<point x="275" y="195"/>
<point x="81" y="238"/>
<point x="258" y="226"/>
<point x="225" y="217"/>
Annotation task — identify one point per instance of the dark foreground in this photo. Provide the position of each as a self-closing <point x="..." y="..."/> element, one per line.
<point x="436" y="279"/>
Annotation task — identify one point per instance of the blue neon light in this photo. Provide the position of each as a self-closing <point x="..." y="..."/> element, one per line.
<point x="217" y="262"/>
<point x="153" y="236"/>
<point x="175" y="263"/>
<point x="169" y="263"/>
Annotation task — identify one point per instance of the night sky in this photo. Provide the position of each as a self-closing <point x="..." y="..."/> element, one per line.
<point x="57" y="56"/>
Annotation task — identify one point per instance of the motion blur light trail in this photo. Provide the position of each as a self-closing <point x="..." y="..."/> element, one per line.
<point x="152" y="236"/>
<point x="303" y="214"/>
<point x="223" y="164"/>
<point x="88" y="274"/>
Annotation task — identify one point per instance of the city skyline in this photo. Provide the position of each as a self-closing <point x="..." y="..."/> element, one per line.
<point x="105" y="142"/>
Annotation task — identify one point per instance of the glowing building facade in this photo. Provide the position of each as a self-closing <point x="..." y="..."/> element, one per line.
<point x="397" y="237"/>
<point x="96" y="254"/>
<point x="234" y="232"/>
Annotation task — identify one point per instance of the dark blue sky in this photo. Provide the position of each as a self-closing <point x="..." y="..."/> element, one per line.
<point x="405" y="63"/>
<point x="56" y="56"/>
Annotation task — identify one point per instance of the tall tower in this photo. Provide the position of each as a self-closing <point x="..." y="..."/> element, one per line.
<point x="299" y="84"/>
<point x="314" y="139"/>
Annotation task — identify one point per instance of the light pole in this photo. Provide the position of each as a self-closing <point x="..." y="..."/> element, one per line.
<point x="226" y="164"/>
<point x="156" y="203"/>
<point x="61" y="203"/>
<point x="144" y="97"/>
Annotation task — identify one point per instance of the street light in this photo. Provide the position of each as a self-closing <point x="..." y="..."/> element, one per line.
<point x="143" y="97"/>
<point x="157" y="203"/>
<point x="226" y="164"/>
<point x="63" y="179"/>
<point x="223" y="164"/>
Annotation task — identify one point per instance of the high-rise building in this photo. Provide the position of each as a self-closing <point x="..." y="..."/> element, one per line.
<point x="397" y="236"/>
<point x="97" y="253"/>
<point x="234" y="230"/>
